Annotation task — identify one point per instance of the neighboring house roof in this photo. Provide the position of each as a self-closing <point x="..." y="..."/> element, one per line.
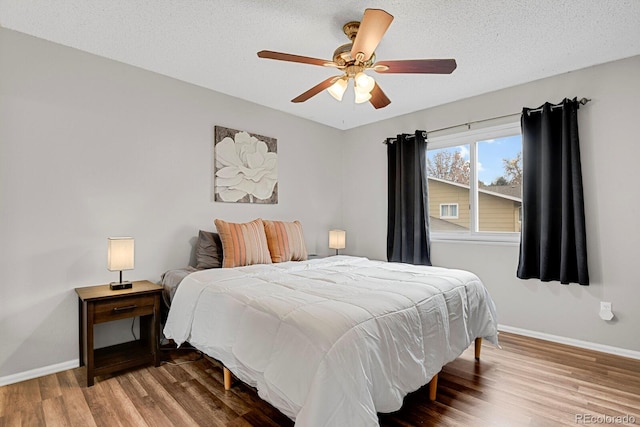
<point x="507" y="190"/>
<point x="443" y="225"/>
<point x="511" y="192"/>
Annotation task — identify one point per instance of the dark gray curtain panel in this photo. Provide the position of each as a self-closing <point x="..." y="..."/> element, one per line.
<point x="553" y="244"/>
<point x="408" y="203"/>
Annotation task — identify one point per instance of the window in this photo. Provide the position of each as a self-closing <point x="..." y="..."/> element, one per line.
<point x="449" y="211"/>
<point x="475" y="180"/>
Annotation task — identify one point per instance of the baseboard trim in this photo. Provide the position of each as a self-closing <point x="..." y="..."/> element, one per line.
<point x="72" y="364"/>
<point x="632" y="354"/>
<point x="39" y="372"/>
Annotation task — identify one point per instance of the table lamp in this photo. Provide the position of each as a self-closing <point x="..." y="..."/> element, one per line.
<point x="337" y="239"/>
<point x="119" y="258"/>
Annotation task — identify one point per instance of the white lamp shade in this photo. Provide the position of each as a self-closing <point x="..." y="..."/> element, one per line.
<point x="361" y="96"/>
<point x="337" y="89"/>
<point x="364" y="83"/>
<point x="337" y="239"/>
<point x="120" y="253"/>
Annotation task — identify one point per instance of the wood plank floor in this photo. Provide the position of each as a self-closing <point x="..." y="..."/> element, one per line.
<point x="526" y="383"/>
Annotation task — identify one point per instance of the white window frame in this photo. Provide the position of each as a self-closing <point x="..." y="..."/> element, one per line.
<point x="449" y="216"/>
<point x="471" y="138"/>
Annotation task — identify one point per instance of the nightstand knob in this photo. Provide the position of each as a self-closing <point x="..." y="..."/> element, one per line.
<point x="128" y="307"/>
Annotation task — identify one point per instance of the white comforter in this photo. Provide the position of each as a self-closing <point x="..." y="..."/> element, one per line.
<point x="332" y="341"/>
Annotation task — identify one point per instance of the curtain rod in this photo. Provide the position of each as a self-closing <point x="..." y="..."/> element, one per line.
<point x="582" y="101"/>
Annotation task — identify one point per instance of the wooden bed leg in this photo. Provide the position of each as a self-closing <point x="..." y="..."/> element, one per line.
<point x="478" y="347"/>
<point x="433" y="387"/>
<point x="227" y="378"/>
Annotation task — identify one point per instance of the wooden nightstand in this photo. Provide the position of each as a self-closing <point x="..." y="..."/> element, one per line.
<point x="98" y="304"/>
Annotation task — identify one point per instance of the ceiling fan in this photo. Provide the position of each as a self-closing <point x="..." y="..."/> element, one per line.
<point x="356" y="57"/>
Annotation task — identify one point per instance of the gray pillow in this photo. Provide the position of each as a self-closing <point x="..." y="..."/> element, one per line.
<point x="208" y="250"/>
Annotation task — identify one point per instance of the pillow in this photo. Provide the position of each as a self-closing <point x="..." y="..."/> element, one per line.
<point x="208" y="250"/>
<point x="243" y="244"/>
<point x="285" y="241"/>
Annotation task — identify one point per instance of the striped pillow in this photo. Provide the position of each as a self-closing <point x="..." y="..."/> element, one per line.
<point x="243" y="244"/>
<point x="285" y="240"/>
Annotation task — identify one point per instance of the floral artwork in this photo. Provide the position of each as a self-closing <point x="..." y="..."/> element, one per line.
<point x="246" y="167"/>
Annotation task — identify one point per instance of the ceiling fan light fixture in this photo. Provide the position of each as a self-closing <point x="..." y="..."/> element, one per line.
<point x="353" y="58"/>
<point x="337" y="89"/>
<point x="361" y="96"/>
<point x="364" y="82"/>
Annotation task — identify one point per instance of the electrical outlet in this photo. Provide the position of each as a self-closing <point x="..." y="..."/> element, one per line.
<point x="605" y="311"/>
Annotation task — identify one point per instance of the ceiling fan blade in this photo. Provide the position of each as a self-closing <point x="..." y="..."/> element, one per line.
<point x="316" y="89"/>
<point x="269" y="54"/>
<point x="418" y="66"/>
<point x="378" y="98"/>
<point x="372" y="27"/>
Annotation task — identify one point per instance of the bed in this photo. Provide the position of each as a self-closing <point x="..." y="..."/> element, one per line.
<point x="332" y="341"/>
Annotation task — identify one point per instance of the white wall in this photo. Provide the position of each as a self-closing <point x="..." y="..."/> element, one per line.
<point x="610" y="148"/>
<point x="92" y="148"/>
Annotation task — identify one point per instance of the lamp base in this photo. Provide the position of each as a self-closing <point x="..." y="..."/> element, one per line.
<point x="116" y="286"/>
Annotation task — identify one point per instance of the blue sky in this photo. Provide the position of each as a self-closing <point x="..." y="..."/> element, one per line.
<point x="490" y="155"/>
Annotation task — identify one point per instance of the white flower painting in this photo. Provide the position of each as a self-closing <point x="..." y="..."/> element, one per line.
<point x="246" y="167"/>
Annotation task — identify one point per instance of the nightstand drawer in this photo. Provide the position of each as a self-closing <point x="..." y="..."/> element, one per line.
<point x="123" y="308"/>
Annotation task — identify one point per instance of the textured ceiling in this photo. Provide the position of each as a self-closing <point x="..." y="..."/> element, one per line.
<point x="213" y="43"/>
